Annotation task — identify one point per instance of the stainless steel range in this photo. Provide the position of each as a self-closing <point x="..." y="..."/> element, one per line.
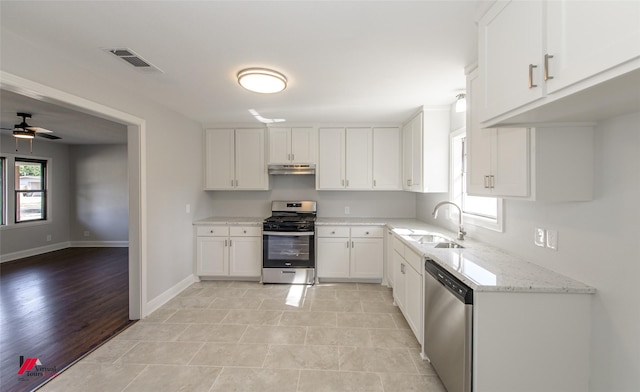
<point x="288" y="238"/>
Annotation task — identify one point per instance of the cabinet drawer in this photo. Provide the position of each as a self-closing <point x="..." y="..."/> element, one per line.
<point x="212" y="231"/>
<point x="398" y="246"/>
<point x="414" y="260"/>
<point x="245" y="231"/>
<point x="367" y="231"/>
<point x="332" y="231"/>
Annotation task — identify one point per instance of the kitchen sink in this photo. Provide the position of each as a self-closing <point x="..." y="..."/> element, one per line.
<point x="435" y="240"/>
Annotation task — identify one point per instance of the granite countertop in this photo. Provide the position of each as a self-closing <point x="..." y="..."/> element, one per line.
<point x="229" y="220"/>
<point x="481" y="267"/>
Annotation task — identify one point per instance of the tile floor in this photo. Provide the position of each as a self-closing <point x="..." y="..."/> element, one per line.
<point x="243" y="336"/>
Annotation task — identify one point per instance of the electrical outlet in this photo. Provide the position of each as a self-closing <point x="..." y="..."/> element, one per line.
<point x="552" y="239"/>
<point x="188" y="208"/>
<point x="87" y="233"/>
<point x="48" y="237"/>
<point x="347" y="210"/>
<point x="540" y="237"/>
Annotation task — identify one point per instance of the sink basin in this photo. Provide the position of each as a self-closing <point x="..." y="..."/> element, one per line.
<point x="435" y="240"/>
<point x="447" y="244"/>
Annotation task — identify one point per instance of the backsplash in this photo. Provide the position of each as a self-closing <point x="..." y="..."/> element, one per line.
<point x="382" y="204"/>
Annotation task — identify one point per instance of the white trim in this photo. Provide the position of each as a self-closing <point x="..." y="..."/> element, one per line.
<point x="33" y="252"/>
<point x="168" y="295"/>
<point x="136" y="130"/>
<point x="99" y="244"/>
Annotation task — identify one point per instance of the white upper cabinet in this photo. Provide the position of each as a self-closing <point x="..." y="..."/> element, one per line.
<point x="588" y="37"/>
<point x="235" y="159"/>
<point x="387" y="152"/>
<point x="426" y="152"/>
<point x="330" y="173"/>
<point x="532" y="53"/>
<point x="510" y="51"/>
<point x="292" y="146"/>
<point x="358" y="159"/>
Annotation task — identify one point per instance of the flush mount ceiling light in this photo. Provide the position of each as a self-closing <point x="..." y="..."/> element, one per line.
<point x="461" y="103"/>
<point x="262" y="80"/>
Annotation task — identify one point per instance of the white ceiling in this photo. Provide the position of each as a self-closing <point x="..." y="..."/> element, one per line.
<point x="346" y="61"/>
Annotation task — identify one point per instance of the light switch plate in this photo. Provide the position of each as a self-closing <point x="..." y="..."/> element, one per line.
<point x="540" y="237"/>
<point x="347" y="210"/>
<point x="552" y="239"/>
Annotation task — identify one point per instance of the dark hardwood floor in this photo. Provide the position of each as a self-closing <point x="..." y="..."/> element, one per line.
<point x="57" y="307"/>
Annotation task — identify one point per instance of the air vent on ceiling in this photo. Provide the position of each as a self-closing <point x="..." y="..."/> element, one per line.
<point x="134" y="59"/>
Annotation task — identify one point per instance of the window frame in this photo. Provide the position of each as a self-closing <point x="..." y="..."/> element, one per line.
<point x="42" y="190"/>
<point x="3" y="190"/>
<point x="496" y="224"/>
<point x="9" y="192"/>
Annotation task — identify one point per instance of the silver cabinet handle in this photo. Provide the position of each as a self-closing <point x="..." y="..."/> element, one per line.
<point x="288" y="157"/>
<point x="352" y="244"/>
<point x="244" y="232"/>
<point x="347" y="182"/>
<point x="546" y="67"/>
<point x="342" y="182"/>
<point x="231" y="183"/>
<point x="293" y="157"/>
<point x="347" y="244"/>
<point x="486" y="182"/>
<point x="374" y="182"/>
<point x="236" y="182"/>
<point x="230" y="243"/>
<point x="531" y="67"/>
<point x="492" y="182"/>
<point x="225" y="243"/>
<point x="333" y="232"/>
<point x="366" y="232"/>
<point x="211" y="231"/>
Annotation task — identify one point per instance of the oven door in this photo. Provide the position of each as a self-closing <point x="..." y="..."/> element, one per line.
<point x="290" y="249"/>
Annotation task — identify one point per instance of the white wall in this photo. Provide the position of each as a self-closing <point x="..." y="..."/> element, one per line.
<point x="15" y="239"/>
<point x="302" y="187"/>
<point x="173" y="155"/>
<point x="598" y="244"/>
<point x="100" y="194"/>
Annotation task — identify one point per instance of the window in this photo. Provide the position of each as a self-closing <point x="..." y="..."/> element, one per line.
<point x="30" y="190"/>
<point x="478" y="211"/>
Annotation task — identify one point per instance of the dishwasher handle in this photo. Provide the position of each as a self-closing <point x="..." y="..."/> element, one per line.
<point x="463" y="292"/>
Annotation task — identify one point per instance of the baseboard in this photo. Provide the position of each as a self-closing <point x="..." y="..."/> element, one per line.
<point x="33" y="252"/>
<point x="62" y="245"/>
<point x="99" y="244"/>
<point x="169" y="294"/>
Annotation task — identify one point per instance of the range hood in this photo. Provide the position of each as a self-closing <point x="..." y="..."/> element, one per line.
<point x="292" y="169"/>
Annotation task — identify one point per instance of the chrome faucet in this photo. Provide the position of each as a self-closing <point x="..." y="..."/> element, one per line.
<point x="461" y="232"/>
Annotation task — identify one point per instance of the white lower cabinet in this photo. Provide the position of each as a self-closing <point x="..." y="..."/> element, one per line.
<point x="350" y="252"/>
<point x="228" y="251"/>
<point x="408" y="291"/>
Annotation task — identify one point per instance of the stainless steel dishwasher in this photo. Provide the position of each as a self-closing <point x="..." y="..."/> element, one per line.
<point x="448" y="317"/>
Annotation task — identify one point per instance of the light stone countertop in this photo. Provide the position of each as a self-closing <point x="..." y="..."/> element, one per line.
<point x="229" y="220"/>
<point x="481" y="267"/>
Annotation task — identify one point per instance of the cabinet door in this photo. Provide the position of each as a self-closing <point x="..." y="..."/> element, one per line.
<point x="303" y="146"/>
<point x="245" y="256"/>
<point x="331" y="159"/>
<point x="479" y="141"/>
<point x="399" y="280"/>
<point x="407" y="156"/>
<point x="359" y="158"/>
<point x="367" y="256"/>
<point x="387" y="148"/>
<point x="510" y="162"/>
<point x="333" y="258"/>
<point x="417" y="164"/>
<point x="279" y="145"/>
<point x="219" y="159"/>
<point x="510" y="42"/>
<point x="212" y="255"/>
<point x="588" y="37"/>
<point x="414" y="302"/>
<point x="251" y="172"/>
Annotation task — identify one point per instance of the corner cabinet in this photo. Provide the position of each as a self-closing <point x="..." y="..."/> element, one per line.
<point x="235" y="159"/>
<point x="546" y="163"/>
<point x="350" y="253"/>
<point x="529" y="51"/>
<point x="292" y="146"/>
<point x="228" y="251"/>
<point x="425" y="141"/>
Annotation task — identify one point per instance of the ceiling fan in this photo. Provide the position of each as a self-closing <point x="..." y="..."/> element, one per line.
<point x="26" y="131"/>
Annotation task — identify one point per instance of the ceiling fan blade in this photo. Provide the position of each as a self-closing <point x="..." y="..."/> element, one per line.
<point x="48" y="136"/>
<point x="38" y="129"/>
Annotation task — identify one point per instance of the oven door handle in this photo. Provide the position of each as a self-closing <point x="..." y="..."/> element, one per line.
<point x="289" y="233"/>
